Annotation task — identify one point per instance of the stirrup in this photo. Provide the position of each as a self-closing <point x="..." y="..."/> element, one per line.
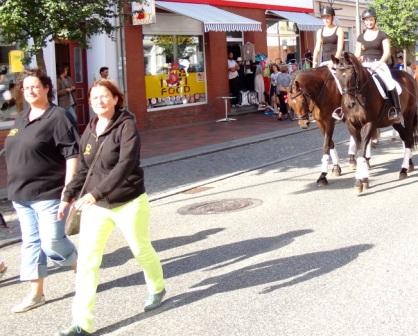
<point x="338" y="113"/>
<point x="393" y="113"/>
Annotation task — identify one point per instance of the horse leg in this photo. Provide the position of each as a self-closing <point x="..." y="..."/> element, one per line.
<point x="352" y="150"/>
<point x="322" y="180"/>
<point x="336" y="168"/>
<point x="368" y="153"/>
<point x="408" y="141"/>
<point x="362" y="172"/>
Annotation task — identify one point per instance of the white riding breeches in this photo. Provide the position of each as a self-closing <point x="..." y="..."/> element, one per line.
<point x="384" y="73"/>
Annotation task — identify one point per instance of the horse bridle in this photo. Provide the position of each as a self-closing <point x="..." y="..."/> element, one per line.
<point x="355" y="88"/>
<point x="307" y="96"/>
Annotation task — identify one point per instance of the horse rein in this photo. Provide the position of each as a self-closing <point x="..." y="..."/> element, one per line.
<point x="306" y="97"/>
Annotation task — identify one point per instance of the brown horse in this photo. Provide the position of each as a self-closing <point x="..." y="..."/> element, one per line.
<point x="315" y="93"/>
<point x="365" y="110"/>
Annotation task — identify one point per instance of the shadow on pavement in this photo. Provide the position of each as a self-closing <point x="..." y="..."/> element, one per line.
<point x="122" y="255"/>
<point x="216" y="257"/>
<point x="276" y="274"/>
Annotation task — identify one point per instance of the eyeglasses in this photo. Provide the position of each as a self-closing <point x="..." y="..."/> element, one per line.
<point x="33" y="87"/>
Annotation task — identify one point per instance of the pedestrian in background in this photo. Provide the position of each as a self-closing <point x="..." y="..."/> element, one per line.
<point x="65" y="89"/>
<point x="104" y="73"/>
<point x="283" y="82"/>
<point x="41" y="157"/>
<point x="115" y="196"/>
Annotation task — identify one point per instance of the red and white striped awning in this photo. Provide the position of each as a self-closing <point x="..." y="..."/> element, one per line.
<point x="213" y="18"/>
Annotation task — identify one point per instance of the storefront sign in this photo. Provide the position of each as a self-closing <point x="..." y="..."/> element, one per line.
<point x="15" y="61"/>
<point x="175" y="87"/>
<point x="143" y="12"/>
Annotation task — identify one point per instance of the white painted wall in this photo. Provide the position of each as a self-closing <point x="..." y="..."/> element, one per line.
<point x="102" y="51"/>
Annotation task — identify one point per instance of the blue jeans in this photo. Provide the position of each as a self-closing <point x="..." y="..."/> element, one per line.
<point x="42" y="236"/>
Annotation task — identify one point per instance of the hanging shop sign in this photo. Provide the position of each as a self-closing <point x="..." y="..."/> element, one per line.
<point x="143" y="12"/>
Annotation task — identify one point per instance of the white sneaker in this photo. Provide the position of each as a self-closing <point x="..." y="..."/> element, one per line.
<point x="29" y="303"/>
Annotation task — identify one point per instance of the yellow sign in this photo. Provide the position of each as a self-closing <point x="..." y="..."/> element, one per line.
<point x="16" y="61"/>
<point x="177" y="84"/>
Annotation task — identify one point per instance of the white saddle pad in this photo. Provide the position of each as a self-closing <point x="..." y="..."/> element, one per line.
<point x="382" y="90"/>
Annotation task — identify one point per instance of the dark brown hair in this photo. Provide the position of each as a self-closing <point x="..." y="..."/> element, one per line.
<point x="43" y="78"/>
<point x="112" y="87"/>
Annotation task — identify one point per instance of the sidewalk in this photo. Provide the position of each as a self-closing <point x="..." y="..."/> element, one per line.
<point x="176" y="143"/>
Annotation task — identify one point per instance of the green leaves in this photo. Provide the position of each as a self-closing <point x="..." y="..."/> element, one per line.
<point x="398" y="19"/>
<point x="43" y="20"/>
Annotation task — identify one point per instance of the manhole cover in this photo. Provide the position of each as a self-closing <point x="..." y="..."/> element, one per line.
<point x="220" y="206"/>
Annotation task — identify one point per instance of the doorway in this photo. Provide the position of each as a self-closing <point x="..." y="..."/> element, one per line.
<point x="69" y="53"/>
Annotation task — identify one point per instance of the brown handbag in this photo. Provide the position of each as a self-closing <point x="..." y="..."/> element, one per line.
<point x="72" y="222"/>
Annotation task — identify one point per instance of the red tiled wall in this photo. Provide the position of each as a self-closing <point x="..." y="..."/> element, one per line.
<point x="135" y="73"/>
<point x="258" y="38"/>
<point x="217" y="83"/>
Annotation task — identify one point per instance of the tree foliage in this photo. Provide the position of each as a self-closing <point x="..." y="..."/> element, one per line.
<point x="398" y="19"/>
<point x="41" y="21"/>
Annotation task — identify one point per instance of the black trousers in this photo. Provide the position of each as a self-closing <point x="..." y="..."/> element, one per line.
<point x="234" y="87"/>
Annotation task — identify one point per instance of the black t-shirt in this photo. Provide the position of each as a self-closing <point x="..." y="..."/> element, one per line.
<point x="36" y="153"/>
<point x="372" y="50"/>
<point x="329" y="45"/>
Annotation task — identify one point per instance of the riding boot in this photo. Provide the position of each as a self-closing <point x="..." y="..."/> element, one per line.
<point x="395" y="111"/>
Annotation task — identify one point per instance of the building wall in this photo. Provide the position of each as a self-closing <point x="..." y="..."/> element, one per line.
<point x="257" y="38"/>
<point x="217" y="83"/>
<point x="216" y="74"/>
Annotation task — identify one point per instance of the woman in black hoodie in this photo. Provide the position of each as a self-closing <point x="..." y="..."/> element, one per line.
<point x="114" y="195"/>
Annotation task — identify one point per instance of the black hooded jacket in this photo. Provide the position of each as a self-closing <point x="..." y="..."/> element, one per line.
<point x="116" y="176"/>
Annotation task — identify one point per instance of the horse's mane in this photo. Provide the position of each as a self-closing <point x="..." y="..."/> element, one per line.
<point x="311" y="80"/>
<point x="351" y="59"/>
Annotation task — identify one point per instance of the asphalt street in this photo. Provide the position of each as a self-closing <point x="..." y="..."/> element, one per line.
<point x="300" y="261"/>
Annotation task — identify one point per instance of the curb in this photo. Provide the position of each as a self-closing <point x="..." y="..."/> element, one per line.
<point x="209" y="149"/>
<point x="199" y="151"/>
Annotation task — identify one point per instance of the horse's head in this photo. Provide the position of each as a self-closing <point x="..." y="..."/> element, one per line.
<point x="298" y="102"/>
<point x="347" y="73"/>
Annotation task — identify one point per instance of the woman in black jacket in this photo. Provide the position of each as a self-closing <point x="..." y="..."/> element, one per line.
<point x="114" y="195"/>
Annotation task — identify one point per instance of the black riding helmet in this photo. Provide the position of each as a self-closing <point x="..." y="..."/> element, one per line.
<point x="327" y="11"/>
<point x="370" y="12"/>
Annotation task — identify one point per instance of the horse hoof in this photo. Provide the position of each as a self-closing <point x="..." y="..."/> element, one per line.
<point x="322" y="182"/>
<point x="411" y="168"/>
<point x="358" y="185"/>
<point x="336" y="170"/>
<point x="403" y="174"/>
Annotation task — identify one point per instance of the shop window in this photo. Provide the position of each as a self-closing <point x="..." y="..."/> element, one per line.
<point x="347" y="44"/>
<point x="282" y="41"/>
<point x="174" y="70"/>
<point x="7" y="86"/>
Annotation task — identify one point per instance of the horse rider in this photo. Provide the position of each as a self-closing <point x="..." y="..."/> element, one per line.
<point x="330" y="38"/>
<point x="373" y="50"/>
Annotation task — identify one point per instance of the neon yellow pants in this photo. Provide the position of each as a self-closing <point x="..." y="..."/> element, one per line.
<point x="97" y="224"/>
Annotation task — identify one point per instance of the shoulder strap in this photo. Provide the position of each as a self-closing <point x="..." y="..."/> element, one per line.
<point x="96" y="156"/>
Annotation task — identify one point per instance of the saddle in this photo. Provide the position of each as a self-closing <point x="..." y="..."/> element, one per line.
<point x="382" y="87"/>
